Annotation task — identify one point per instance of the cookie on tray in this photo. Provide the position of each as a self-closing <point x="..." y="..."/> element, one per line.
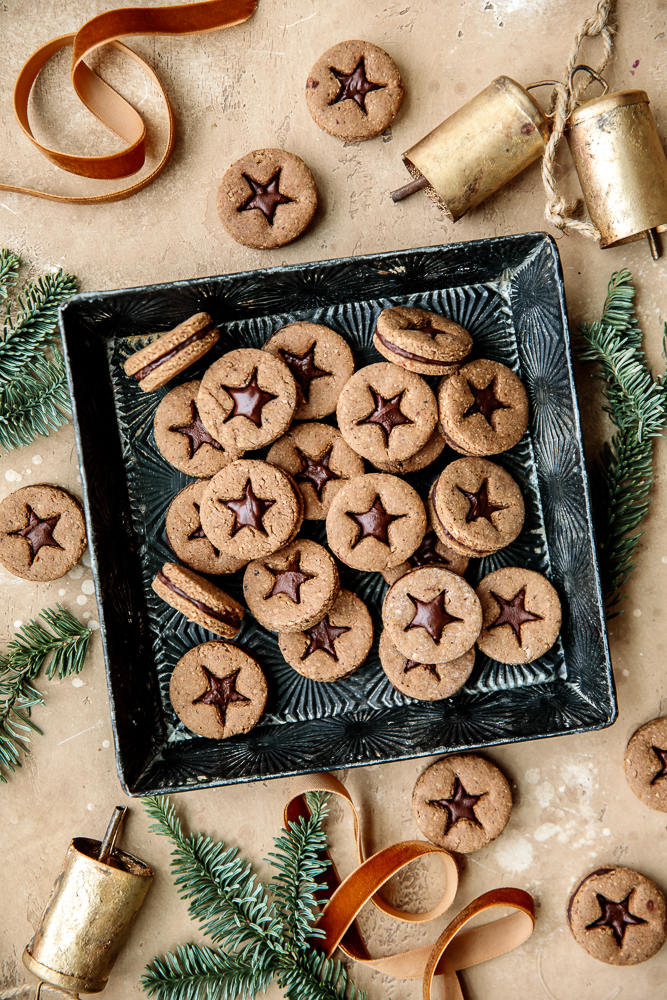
<point x="199" y="600"/>
<point x="42" y="532"/>
<point x="292" y="589"/>
<point x="425" y="681"/>
<point x="188" y="539"/>
<point x="153" y="366"/>
<point x="483" y="408"/>
<point x="646" y="764"/>
<point x="421" y="341"/>
<point x="182" y="438"/>
<point x="420" y="460"/>
<point x="522" y="615"/>
<point x="431" y="552"/>
<point x="321" y="362"/>
<point x="336" y="646"/>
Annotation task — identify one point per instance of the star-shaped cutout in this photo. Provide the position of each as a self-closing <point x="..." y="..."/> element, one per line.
<point x="249" y="510"/>
<point x="316" y="471"/>
<point x="662" y="757"/>
<point x="304" y="369"/>
<point x="480" y="505"/>
<point x="431" y="615"/>
<point x="616" y="916"/>
<point x="249" y="400"/>
<point x="431" y="667"/>
<point x="514" y="613"/>
<point x="38" y="532"/>
<point x="429" y="330"/>
<point x="196" y="432"/>
<point x="427" y="552"/>
<point x="265" y="197"/>
<point x="221" y="693"/>
<point x="460" y="806"/>
<point x="200" y="533"/>
<point x="290" y="579"/>
<point x="355" y="85"/>
<point x="387" y="414"/>
<point x="374" y="523"/>
<point x="485" y="402"/>
<point x="322" y="636"/>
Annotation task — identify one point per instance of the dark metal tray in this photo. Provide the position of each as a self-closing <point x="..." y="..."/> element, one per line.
<point x="508" y="292"/>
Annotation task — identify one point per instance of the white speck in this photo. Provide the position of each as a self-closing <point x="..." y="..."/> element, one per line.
<point x="90" y="806"/>
<point x="77" y="682"/>
<point x="664" y="559"/>
<point x="37" y="460"/>
<point x="561" y="789"/>
<point x="13" y="477"/>
<point x="637" y="613"/>
<point x="76" y="573"/>
<point x="606" y="832"/>
<point x="626" y="673"/>
<point x="86" y="614"/>
<point x="545" y="794"/>
<point x="28" y="472"/>
<point x="81" y="599"/>
<point x="532" y="775"/>
<point x="93" y="626"/>
<point x="545" y="831"/>
<point x="85" y="558"/>
<point x="87" y="587"/>
<point x="106" y="744"/>
<point x="514" y="853"/>
<point x="78" y="479"/>
<point x="18" y="623"/>
<point x="62" y="592"/>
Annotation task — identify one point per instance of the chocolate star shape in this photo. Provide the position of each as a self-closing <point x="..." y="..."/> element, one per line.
<point x="200" y="533"/>
<point x="304" y="369"/>
<point x="662" y="757"/>
<point x="221" y="693"/>
<point x="427" y="552"/>
<point x="248" y="510"/>
<point x="265" y="197"/>
<point x="387" y="414"/>
<point x="431" y="667"/>
<point x="38" y="532"/>
<point x="322" y="636"/>
<point x="374" y="523"/>
<point x="514" y="613"/>
<point x="289" y="580"/>
<point x="355" y="85"/>
<point x="485" y="402"/>
<point x="430" y="331"/>
<point x="616" y="916"/>
<point x="317" y="471"/>
<point x="196" y="432"/>
<point x="431" y="615"/>
<point x="460" y="806"/>
<point x="480" y="505"/>
<point x="249" y="400"/>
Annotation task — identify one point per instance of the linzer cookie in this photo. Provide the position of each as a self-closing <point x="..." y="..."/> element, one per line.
<point x="267" y="198"/>
<point x="218" y="690"/>
<point x="375" y="522"/>
<point x="425" y="681"/>
<point x="420" y="460"/>
<point x="336" y="646"/>
<point x="432" y="615"/>
<point x="320" y="462"/>
<point x="188" y="539"/>
<point x="321" y="362"/>
<point x="386" y="413"/>
<point x="483" y="408"/>
<point x="292" y="589"/>
<point x="354" y="91"/>
<point x="182" y="438"/>
<point x="646" y="764"/>
<point x="251" y="509"/>
<point x="431" y="552"/>
<point x="247" y="399"/>
<point x="173" y="352"/>
<point x="42" y="532"/>
<point x="199" y="600"/>
<point x="462" y="803"/>
<point x="421" y="341"/>
<point x="618" y="916"/>
<point x="522" y="615"/>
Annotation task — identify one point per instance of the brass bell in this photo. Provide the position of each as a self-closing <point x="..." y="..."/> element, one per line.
<point x="93" y="904"/>
<point x="479" y="148"/>
<point x="621" y="165"/>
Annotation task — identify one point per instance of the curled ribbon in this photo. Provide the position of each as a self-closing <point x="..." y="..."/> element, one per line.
<point x="107" y="105"/>
<point x="455" y="949"/>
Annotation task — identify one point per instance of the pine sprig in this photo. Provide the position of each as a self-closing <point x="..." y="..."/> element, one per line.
<point x="34" y="405"/>
<point x="61" y="651"/>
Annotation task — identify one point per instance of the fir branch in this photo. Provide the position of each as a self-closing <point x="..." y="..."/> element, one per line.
<point x="25" y="334"/>
<point x="34" y="405"/>
<point x="196" y="972"/>
<point x="9" y="271"/>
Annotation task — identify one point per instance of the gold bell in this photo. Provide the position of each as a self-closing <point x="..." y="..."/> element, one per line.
<point x="479" y="148"/>
<point x="621" y="165"/>
<point x="93" y="904"/>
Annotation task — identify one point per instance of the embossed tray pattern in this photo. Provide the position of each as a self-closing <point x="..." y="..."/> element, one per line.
<point x="508" y="293"/>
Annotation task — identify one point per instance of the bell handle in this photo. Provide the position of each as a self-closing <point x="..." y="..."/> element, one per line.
<point x="107" y="845"/>
<point x="543" y="83"/>
<point x="591" y="72"/>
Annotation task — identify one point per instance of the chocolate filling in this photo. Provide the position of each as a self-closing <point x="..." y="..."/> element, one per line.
<point x="476" y="552"/>
<point x="598" y="871"/>
<point x="192" y="339"/>
<point x="226" y="617"/>
<point x="402" y="353"/>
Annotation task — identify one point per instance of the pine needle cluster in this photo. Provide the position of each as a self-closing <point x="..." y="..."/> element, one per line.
<point x="65" y="648"/>
<point x="259" y="932"/>
<point x="33" y="386"/>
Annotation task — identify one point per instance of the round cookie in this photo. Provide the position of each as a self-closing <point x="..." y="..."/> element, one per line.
<point x="188" y="539"/>
<point x="42" y="532"/>
<point x="321" y="362"/>
<point x="445" y="537"/>
<point x="153" y="366"/>
<point x="218" y="690"/>
<point x="319" y="460"/>
<point x="375" y="522"/>
<point x="267" y="198"/>
<point x="251" y="509"/>
<point x="425" y="681"/>
<point x="483" y="408"/>
<point x="336" y="646"/>
<point x="247" y="399"/>
<point x="431" y="552"/>
<point x="618" y="916"/>
<point x="420" y="460"/>
<point x="354" y="91"/>
<point x="421" y="341"/>
<point x="432" y="615"/>
<point x="462" y="803"/>
<point x="522" y="615"/>
<point x="386" y="413"/>
<point x="292" y="589"/>
<point x="199" y="600"/>
<point x="646" y="764"/>
<point x="182" y="438"/>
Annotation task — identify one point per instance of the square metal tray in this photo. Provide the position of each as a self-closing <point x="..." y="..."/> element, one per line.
<point x="509" y="293"/>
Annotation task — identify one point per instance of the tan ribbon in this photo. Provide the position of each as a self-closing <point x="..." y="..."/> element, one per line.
<point x="452" y="951"/>
<point x="112" y="109"/>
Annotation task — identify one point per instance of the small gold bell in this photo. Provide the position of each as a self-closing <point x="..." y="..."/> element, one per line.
<point x="93" y="904"/>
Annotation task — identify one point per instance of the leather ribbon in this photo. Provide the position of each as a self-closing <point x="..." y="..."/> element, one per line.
<point x="455" y="949"/>
<point x="107" y="105"/>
